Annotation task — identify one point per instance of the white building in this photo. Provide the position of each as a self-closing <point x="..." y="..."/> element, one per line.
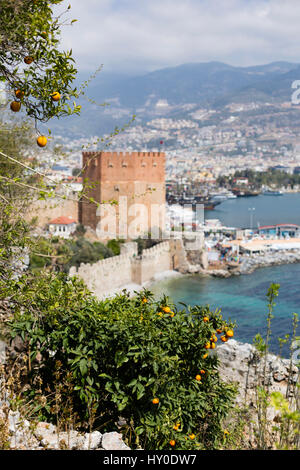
<point x="63" y="226"/>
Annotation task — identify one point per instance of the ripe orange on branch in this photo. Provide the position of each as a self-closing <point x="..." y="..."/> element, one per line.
<point x="19" y="94"/>
<point x="55" y="96"/>
<point x="41" y="141"/>
<point x="229" y="333"/>
<point x="155" y="401"/>
<point x="28" y="60"/>
<point x="15" y="106"/>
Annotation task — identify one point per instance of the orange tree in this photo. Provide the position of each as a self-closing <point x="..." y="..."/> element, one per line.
<point x="38" y="76"/>
<point x="137" y="358"/>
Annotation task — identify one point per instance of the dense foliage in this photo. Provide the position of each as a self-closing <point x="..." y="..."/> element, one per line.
<point x="61" y="254"/>
<point x="32" y="66"/>
<point x="131" y="357"/>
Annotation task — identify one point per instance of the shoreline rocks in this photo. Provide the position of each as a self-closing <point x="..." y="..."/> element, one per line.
<point x="249" y="264"/>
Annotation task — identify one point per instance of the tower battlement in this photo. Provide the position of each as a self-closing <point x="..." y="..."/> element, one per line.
<point x="93" y="155"/>
<point x="140" y="176"/>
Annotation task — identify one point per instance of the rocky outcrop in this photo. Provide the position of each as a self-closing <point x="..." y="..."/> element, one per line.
<point x="240" y="363"/>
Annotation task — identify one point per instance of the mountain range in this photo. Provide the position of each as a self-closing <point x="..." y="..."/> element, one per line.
<point x="174" y="92"/>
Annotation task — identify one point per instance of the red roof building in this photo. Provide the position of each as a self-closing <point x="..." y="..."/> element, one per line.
<point x="62" y="226"/>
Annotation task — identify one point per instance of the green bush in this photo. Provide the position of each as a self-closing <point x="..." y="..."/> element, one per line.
<point x="62" y="254"/>
<point x="114" y="246"/>
<point x="121" y="354"/>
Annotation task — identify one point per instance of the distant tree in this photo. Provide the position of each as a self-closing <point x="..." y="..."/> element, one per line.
<point x="114" y="246"/>
<point x="76" y="171"/>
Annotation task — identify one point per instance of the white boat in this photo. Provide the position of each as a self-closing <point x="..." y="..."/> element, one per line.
<point x="271" y="192"/>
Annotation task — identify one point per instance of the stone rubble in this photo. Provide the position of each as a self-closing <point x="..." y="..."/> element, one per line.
<point x="24" y="435"/>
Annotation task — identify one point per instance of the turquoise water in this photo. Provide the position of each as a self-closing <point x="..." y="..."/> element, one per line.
<point x="243" y="298"/>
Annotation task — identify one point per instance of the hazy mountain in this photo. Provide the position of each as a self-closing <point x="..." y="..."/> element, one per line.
<point x="168" y="91"/>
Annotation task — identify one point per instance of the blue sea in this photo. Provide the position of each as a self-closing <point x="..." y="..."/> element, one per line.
<point x="249" y="212"/>
<point x="243" y="298"/>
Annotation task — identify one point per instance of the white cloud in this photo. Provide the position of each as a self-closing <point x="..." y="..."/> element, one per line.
<point x="138" y="35"/>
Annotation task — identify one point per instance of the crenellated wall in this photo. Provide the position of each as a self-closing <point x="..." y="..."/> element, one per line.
<point x="105" y="275"/>
<point x="153" y="261"/>
<point x="128" y="268"/>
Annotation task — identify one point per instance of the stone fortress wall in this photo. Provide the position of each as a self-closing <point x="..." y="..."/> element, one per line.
<point x="130" y="268"/>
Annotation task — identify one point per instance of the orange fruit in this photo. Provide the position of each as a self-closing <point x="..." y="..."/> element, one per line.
<point x="144" y="300"/>
<point x="212" y="345"/>
<point x="176" y="426"/>
<point x="214" y="338"/>
<point x="192" y="436"/>
<point x="207" y="346"/>
<point x="205" y="356"/>
<point x="229" y="333"/>
<point x="172" y="314"/>
<point x="198" y="377"/>
<point x="172" y="442"/>
<point x="28" y="60"/>
<point x="41" y="141"/>
<point x="202" y="371"/>
<point x="166" y="309"/>
<point x="15" y="106"/>
<point x="205" y="319"/>
<point x="224" y="339"/>
<point x="219" y="331"/>
<point x="155" y="401"/>
<point x="55" y="96"/>
<point x="19" y="94"/>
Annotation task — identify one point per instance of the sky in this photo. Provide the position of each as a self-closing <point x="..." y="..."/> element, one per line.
<point x="138" y="36"/>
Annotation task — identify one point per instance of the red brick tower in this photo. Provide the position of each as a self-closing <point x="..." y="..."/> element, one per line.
<point x="138" y="176"/>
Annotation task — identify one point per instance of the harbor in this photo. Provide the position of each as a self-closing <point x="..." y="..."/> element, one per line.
<point x="246" y="243"/>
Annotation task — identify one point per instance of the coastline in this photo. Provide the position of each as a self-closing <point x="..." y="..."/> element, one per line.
<point x="249" y="264"/>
